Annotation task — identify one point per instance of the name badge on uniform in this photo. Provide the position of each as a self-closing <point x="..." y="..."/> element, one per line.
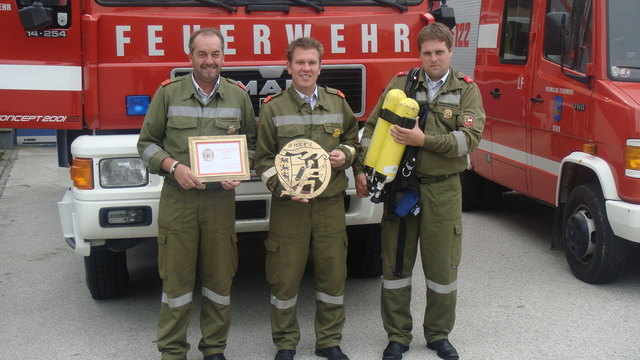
<point x="231" y="130"/>
<point x="336" y="133"/>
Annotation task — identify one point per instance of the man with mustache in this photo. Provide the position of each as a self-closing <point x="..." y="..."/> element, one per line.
<point x="196" y="221"/>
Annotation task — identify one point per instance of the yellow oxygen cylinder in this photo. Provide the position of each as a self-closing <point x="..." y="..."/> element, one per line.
<point x="391" y="101"/>
<point x="391" y="154"/>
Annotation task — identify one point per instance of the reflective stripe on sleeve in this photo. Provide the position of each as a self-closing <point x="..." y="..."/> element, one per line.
<point x="215" y="297"/>
<point x="178" y="301"/>
<point x="329" y="299"/>
<point x="396" y="284"/>
<point x="461" y="139"/>
<point x="268" y="174"/>
<point x="148" y="153"/>
<point x="283" y="304"/>
<point x="442" y="289"/>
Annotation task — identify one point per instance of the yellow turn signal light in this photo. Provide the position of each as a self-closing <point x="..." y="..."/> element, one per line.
<point x="82" y="173"/>
<point x="633" y="157"/>
<point x="589" y="148"/>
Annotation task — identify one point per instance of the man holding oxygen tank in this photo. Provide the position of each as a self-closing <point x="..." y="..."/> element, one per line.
<point x="423" y="205"/>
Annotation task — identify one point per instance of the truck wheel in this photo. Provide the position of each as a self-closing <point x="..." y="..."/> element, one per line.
<point x="107" y="273"/>
<point x="472" y="185"/>
<point x="364" y="255"/>
<point x="595" y="255"/>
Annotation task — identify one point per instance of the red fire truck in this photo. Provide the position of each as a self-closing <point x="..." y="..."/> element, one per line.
<point x="88" y="68"/>
<point x="560" y="81"/>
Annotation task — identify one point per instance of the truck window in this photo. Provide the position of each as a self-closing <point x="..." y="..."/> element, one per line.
<point x="515" y="31"/>
<point x="623" y="40"/>
<point x="578" y="51"/>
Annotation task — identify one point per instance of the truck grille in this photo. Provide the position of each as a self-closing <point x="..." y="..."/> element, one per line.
<point x="268" y="80"/>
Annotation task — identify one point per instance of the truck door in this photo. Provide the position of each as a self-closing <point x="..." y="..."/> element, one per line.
<point x="40" y="72"/>
<point x="504" y="75"/>
<point x="560" y="100"/>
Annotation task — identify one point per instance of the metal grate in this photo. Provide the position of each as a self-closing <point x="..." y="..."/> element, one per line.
<point x="268" y="80"/>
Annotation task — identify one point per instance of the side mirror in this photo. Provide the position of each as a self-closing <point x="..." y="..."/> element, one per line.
<point x="444" y="15"/>
<point x="557" y="33"/>
<point x="36" y="17"/>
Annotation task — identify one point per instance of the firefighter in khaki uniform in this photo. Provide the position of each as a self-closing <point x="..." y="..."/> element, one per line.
<point x="298" y="226"/>
<point x="452" y="129"/>
<point x="196" y="221"/>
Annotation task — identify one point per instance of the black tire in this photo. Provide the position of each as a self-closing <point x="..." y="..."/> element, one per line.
<point x="107" y="273"/>
<point x="595" y="255"/>
<point x="364" y="255"/>
<point x="472" y="184"/>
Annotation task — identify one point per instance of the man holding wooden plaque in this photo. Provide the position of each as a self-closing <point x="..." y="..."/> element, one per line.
<point x="307" y="138"/>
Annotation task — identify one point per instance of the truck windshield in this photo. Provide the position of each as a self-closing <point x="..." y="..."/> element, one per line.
<point x="623" y="40"/>
<point x="236" y="3"/>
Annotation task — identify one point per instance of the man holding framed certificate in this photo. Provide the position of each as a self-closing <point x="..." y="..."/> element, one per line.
<point x="307" y="138"/>
<point x="196" y="219"/>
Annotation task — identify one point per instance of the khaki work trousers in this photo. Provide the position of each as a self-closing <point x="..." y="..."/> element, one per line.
<point x="295" y="229"/>
<point x="437" y="231"/>
<point x="196" y="233"/>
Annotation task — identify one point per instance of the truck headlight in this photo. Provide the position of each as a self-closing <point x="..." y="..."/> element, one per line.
<point x="123" y="172"/>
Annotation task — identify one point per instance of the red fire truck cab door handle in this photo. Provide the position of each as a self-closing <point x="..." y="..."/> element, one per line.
<point x="537" y="100"/>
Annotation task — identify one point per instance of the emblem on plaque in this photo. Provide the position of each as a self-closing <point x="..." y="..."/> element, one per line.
<point x="303" y="168"/>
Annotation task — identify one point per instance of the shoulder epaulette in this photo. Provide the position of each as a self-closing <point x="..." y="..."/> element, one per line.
<point x="335" y="92"/>
<point x="167" y="82"/>
<point x="268" y="98"/>
<point x="241" y="85"/>
<point x="468" y="79"/>
<point x="401" y="73"/>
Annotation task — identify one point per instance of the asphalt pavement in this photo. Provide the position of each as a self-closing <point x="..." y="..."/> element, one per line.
<point x="517" y="298"/>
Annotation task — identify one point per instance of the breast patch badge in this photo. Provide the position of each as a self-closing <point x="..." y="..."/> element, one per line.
<point x="303" y="168"/>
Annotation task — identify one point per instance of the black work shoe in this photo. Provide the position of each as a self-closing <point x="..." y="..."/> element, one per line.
<point x="444" y="349"/>
<point x="218" y="356"/>
<point x="394" y="351"/>
<point x="332" y="353"/>
<point x="285" y="355"/>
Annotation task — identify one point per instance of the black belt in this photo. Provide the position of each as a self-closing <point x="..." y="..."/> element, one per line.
<point x="435" y="179"/>
<point x="207" y="185"/>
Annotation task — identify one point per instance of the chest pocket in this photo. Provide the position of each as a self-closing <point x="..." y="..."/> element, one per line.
<point x="446" y="117"/>
<point x="227" y="125"/>
<point x="333" y="132"/>
<point x="182" y="127"/>
<point x="287" y="133"/>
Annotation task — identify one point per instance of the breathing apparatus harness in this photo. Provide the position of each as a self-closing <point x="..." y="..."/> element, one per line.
<point x="406" y="182"/>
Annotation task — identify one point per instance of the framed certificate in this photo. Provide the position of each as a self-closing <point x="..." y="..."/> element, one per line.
<point x="219" y="158"/>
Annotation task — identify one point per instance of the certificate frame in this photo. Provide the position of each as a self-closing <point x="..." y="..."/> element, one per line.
<point x="219" y="158"/>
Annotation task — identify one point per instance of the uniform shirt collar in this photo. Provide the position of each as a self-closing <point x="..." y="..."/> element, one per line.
<point x="434" y="86"/>
<point x="312" y="100"/>
<point x="201" y="94"/>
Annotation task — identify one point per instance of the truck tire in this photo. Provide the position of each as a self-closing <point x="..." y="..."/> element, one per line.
<point x="595" y="255"/>
<point x="364" y="254"/>
<point x="107" y="273"/>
